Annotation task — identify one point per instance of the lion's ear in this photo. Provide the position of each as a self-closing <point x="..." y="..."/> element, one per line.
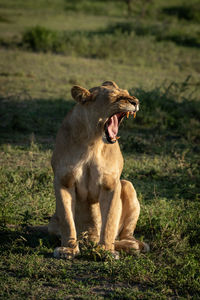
<point x="80" y="94"/>
<point x="110" y="83"/>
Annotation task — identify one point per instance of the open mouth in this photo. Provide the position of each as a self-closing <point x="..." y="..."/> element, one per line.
<point x="112" y="125"/>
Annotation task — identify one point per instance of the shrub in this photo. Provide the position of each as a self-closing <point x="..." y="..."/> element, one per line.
<point x="41" y="39"/>
<point x="118" y="40"/>
<point x="86" y="44"/>
<point x="189" y="12"/>
<point x="185" y="36"/>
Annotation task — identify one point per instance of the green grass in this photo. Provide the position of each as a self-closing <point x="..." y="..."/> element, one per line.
<point x="152" y="53"/>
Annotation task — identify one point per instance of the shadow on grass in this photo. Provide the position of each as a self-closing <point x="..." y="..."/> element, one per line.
<point x="180" y="183"/>
<point x="22" y="118"/>
<point x="25" y="240"/>
<point x="167" y="116"/>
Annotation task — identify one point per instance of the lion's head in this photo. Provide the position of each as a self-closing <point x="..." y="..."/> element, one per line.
<point x="106" y="106"/>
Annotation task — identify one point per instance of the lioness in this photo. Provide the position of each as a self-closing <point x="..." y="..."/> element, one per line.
<point x="87" y="164"/>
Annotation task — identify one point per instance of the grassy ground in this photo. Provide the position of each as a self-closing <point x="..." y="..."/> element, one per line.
<point x="153" y="53"/>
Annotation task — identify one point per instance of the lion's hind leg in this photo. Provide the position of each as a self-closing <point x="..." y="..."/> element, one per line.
<point x="128" y="221"/>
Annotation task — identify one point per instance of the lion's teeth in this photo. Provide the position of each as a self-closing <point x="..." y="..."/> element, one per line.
<point x="127" y="114"/>
<point x="113" y="139"/>
<point x="117" y="137"/>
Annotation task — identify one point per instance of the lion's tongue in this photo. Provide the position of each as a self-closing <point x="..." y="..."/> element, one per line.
<point x="113" y="126"/>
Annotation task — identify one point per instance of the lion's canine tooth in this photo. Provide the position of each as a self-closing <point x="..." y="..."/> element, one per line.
<point x="127" y="114"/>
<point x="113" y="139"/>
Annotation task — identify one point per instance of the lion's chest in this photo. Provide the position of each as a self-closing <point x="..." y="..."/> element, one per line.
<point x="94" y="176"/>
<point x="88" y="185"/>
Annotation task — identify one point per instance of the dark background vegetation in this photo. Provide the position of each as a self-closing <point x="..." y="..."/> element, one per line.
<point x="151" y="48"/>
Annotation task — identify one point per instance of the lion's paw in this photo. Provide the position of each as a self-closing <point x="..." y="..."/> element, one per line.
<point x="66" y="252"/>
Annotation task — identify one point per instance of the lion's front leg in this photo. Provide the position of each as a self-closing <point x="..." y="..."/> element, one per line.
<point x="65" y="207"/>
<point x="111" y="207"/>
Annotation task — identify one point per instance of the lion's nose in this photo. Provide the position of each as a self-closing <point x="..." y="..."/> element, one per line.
<point x="135" y="102"/>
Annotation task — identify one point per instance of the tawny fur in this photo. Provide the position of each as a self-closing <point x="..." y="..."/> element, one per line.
<point x="89" y="193"/>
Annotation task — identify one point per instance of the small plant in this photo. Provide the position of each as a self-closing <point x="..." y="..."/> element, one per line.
<point x="92" y="251"/>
